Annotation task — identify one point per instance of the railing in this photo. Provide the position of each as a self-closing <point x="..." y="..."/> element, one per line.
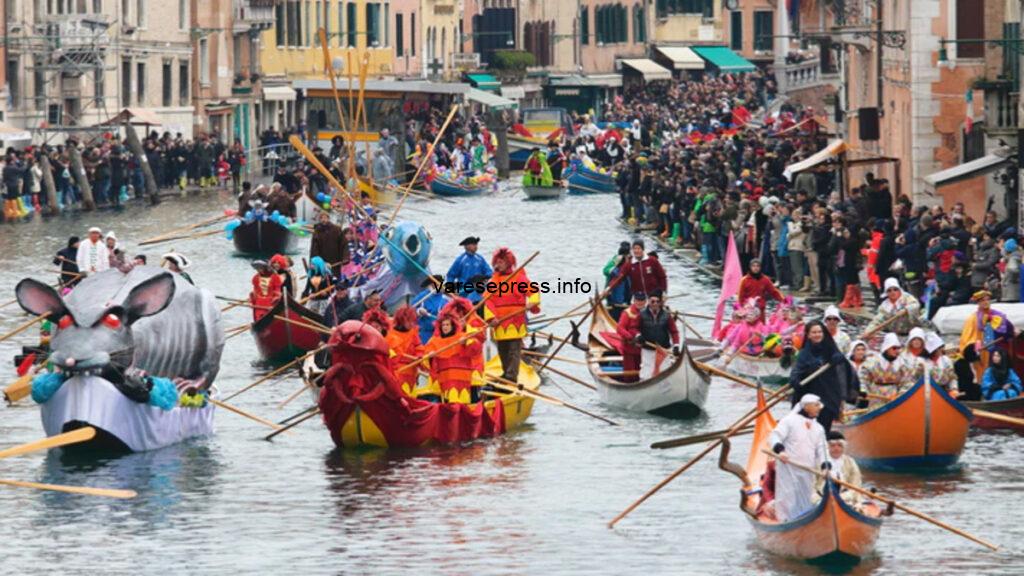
<point x="805" y="74"/>
<point x="254" y="11"/>
<point x="1003" y="109"/>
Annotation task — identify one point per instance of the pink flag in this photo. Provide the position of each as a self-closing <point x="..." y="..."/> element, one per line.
<point x="731" y="276"/>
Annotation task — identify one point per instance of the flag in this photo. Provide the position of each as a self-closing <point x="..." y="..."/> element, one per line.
<point x="969" y="120"/>
<point x="731" y="276"/>
<point x="26" y="364"/>
<point x="740" y="116"/>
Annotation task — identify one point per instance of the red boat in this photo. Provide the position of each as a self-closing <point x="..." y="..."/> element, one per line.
<point x="1013" y="407"/>
<point x="281" y="341"/>
<point x="363" y="404"/>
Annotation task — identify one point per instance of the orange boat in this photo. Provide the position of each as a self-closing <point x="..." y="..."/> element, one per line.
<point x="924" y="427"/>
<point x="832" y="531"/>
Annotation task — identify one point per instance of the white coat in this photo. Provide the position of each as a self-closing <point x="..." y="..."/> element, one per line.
<point x="804" y="441"/>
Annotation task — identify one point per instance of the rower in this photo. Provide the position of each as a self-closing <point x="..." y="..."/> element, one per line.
<point x="176" y="263"/>
<point x="504" y="312"/>
<point x="404" y="341"/>
<point x="281" y="265"/>
<point x="464" y="309"/>
<point x="834" y="387"/>
<point x="799" y="439"/>
<point x="334" y="313"/>
<point x="451" y="368"/>
<point x="858" y="354"/>
<point x="318" y="280"/>
<point x="618" y="295"/>
<point x="628" y="330"/>
<point x="65" y="258"/>
<point x="266" y="288"/>
<point x="938" y="366"/>
<point x="468" y="266"/>
<point x="92" y="256"/>
<point x="756" y="285"/>
<point x="914" y="353"/>
<point x="657" y="329"/>
<point x="428" y="303"/>
<point x="841" y="467"/>
<point x="896" y="302"/>
<point x="833" y="321"/>
<point x="887" y="373"/>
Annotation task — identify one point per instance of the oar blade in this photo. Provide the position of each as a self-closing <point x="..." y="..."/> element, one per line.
<point x="73" y="437"/>
<point x="83" y="490"/>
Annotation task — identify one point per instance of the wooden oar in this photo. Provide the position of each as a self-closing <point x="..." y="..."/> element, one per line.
<point x="176" y="231"/>
<point x="719" y="372"/>
<point x="682" y="318"/>
<point x="888" y="501"/>
<point x="20" y="388"/>
<point x="743" y="422"/>
<point x="241" y="412"/>
<point x="553" y="357"/>
<point x="297" y="415"/>
<point x="697" y="439"/>
<point x="508" y="386"/>
<point x="870" y="333"/>
<point x="307" y="324"/>
<point x="549" y="320"/>
<point x="567" y="376"/>
<point x="293" y="396"/>
<point x="25" y="326"/>
<point x="293" y="424"/>
<point x="277" y="371"/>
<point x="738" y="349"/>
<point x="74" y="437"/>
<point x="999" y="417"/>
<point x="105" y="492"/>
<point x="186" y="237"/>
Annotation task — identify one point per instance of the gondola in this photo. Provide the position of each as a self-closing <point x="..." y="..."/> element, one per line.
<point x="280" y="341"/>
<point x="1013" y="407"/>
<point x="832" y="531"/>
<point x="359" y="413"/>
<point x="586" y="181"/>
<point x="678" y="391"/>
<point x="543" y="192"/>
<point x="445" y="187"/>
<point x="263" y="237"/>
<point x="923" y="428"/>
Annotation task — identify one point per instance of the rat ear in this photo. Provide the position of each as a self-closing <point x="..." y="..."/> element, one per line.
<point x="150" y="297"/>
<point x="38" y="298"/>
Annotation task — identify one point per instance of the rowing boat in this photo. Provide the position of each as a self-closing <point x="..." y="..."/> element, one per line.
<point x="363" y="406"/>
<point x="922" y="428"/>
<point x="583" y="180"/>
<point x="767" y="369"/>
<point x="260" y="237"/>
<point x="543" y="192"/>
<point x="281" y="341"/>
<point x="445" y="187"/>
<point x="832" y="531"/>
<point x="1013" y="407"/>
<point x="678" y="391"/>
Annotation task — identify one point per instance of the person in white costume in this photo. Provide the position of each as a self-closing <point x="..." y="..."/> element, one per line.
<point x="800" y="439"/>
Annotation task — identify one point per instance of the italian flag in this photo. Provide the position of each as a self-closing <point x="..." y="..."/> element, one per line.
<point x="969" y="118"/>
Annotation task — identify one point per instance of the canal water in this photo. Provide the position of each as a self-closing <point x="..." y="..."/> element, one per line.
<point x="533" y="502"/>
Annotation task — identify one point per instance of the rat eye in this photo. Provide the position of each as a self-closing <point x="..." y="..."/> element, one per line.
<point x="65" y="322"/>
<point x="111" y="321"/>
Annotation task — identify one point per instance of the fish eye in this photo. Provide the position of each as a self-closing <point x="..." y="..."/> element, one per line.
<point x="112" y="321"/>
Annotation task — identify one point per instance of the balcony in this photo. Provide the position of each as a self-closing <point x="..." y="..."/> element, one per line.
<point x="258" y="14"/>
<point x="804" y="75"/>
<point x="1001" y="108"/>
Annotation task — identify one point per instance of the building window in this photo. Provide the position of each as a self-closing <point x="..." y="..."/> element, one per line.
<point x="182" y="14"/>
<point x="39" y="82"/>
<point x="341" y="25"/>
<point x="167" y="85"/>
<point x="140" y="13"/>
<point x="140" y="82"/>
<point x="639" y="24"/>
<point x="764" y="28"/>
<point x="736" y="31"/>
<point x="666" y="8"/>
<point x="386" y="23"/>
<point x="373" y="32"/>
<point x="412" y="33"/>
<point x="974" y="142"/>
<point x="294" y="25"/>
<point x="319" y="24"/>
<point x="307" y="40"/>
<point x="351" y="20"/>
<point x="126" y="83"/>
<point x="126" y="6"/>
<point x="204" y="61"/>
<point x="97" y="6"/>
<point x="585" y="25"/>
<point x="98" y="86"/>
<point x="184" y="79"/>
<point x="279" y="24"/>
<point x="970" y="25"/>
<point x="399" y="36"/>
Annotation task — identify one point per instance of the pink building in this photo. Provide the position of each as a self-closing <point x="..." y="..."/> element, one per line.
<point x="407" y="37"/>
<point x="610" y="30"/>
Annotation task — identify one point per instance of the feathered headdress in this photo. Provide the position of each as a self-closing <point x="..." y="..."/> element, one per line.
<point x="448" y="314"/>
<point x="405" y="318"/>
<point x="505" y="254"/>
<point x="377" y="316"/>
<point x="458" y="305"/>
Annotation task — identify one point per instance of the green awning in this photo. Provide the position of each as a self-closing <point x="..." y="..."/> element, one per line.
<point x="484" y="82"/>
<point x="723" y="58"/>
<point x="491" y="100"/>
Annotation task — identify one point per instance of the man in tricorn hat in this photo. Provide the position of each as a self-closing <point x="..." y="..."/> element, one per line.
<point x="467" y="268"/>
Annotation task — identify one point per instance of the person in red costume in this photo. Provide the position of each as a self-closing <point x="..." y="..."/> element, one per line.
<point x="451" y="369"/>
<point x="464" y="309"/>
<point x="628" y="329"/>
<point x="757" y="285"/>
<point x="266" y="289"/>
<point x="404" y="341"/>
<point x="514" y="293"/>
<point x="643" y="270"/>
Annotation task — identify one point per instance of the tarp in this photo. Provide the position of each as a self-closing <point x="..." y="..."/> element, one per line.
<point x="599" y="80"/>
<point x="833" y="150"/>
<point x="724" y="59"/>
<point x="649" y="69"/>
<point x="279" y="93"/>
<point x="491" y="100"/>
<point x="949" y="320"/>
<point x="9" y="133"/>
<point x="978" y="167"/>
<point x="484" y="82"/>
<point x="513" y="92"/>
<point x="136" y="116"/>
<point x="682" y="57"/>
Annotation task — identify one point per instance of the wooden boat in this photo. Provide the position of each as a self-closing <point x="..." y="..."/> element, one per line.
<point x="280" y="341"/>
<point x="922" y="428"/>
<point x="678" y="391"/>
<point x="832" y="531"/>
<point x="585" y="181"/>
<point x="767" y="369"/>
<point x="1013" y="407"/>
<point x="444" y="187"/>
<point x="263" y="238"/>
<point x="364" y="412"/>
<point x="543" y="192"/>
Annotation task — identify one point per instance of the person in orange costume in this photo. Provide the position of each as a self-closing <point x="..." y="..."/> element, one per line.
<point x="628" y="329"/>
<point x="464" y="308"/>
<point x="451" y="369"/>
<point x="404" y="341"/>
<point x="266" y="289"/>
<point x="513" y="293"/>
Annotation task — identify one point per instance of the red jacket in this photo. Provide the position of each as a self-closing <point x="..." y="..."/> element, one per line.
<point x="646" y="276"/>
<point x="761" y="287"/>
<point x="628" y="328"/>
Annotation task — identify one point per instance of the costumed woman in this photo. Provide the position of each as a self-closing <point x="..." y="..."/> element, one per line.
<point x="938" y="366"/>
<point x="799" y="439"/>
<point x="318" y="282"/>
<point x="834" y="386"/>
<point x="887" y="373"/>
<point x="404" y="341"/>
<point x="451" y="369"/>
<point x="1000" y="382"/>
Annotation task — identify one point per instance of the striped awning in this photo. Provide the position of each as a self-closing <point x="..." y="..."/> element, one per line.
<point x="682" y="57"/>
<point x="649" y="69"/>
